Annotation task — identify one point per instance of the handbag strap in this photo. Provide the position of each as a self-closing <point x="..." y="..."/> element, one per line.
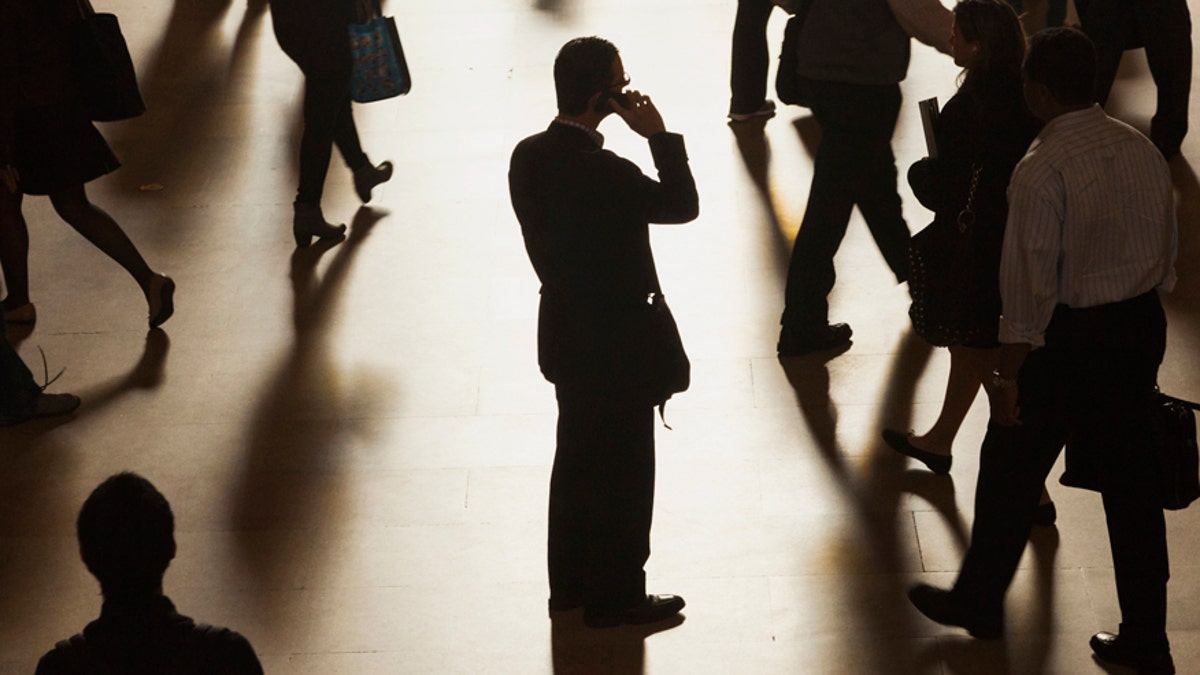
<point x="966" y="217"/>
<point x="366" y="10"/>
<point x="85" y="8"/>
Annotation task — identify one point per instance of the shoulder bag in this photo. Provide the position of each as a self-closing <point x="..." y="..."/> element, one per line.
<point x="105" y="81"/>
<point x="941" y="269"/>
<point x="380" y="70"/>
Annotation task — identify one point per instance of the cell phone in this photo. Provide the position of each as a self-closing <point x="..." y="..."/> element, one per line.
<point x="602" y="102"/>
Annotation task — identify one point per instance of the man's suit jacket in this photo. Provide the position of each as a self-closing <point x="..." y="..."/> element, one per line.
<point x="584" y="214"/>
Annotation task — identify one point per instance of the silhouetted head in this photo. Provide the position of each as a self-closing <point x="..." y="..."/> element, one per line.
<point x="585" y="68"/>
<point x="1060" y="65"/>
<point x="126" y="535"/>
<point x="988" y="41"/>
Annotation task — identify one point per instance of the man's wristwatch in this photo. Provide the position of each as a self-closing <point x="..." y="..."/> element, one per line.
<point x="999" y="382"/>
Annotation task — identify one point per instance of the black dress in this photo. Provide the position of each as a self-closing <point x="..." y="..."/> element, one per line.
<point x="991" y="128"/>
<point x="56" y="145"/>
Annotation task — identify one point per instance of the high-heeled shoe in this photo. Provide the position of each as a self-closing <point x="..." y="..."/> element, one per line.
<point x="368" y="176"/>
<point x="309" y="222"/>
<point x="25" y="313"/>
<point x="161" y="298"/>
<point x="939" y="464"/>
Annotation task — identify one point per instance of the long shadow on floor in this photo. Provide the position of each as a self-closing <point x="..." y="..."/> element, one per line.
<point x="307" y="415"/>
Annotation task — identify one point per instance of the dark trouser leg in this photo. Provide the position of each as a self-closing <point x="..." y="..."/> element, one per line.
<point x="17" y="387"/>
<point x="327" y="118"/>
<point x="601" y="498"/>
<point x="1137" y="535"/>
<point x="1013" y="465"/>
<point x="879" y="201"/>
<point x="854" y="164"/>
<point x="14" y="249"/>
<point x="345" y="134"/>
<point x="750" y="60"/>
<point x="1167" y="25"/>
<point x="1110" y="26"/>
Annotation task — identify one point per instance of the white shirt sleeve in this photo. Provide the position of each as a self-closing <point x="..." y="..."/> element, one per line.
<point x="1029" y="261"/>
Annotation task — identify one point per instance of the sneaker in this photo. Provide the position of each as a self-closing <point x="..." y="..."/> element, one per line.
<point x="766" y="110"/>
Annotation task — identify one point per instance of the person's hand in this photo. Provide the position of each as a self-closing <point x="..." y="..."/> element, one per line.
<point x="10" y="178"/>
<point x="640" y="115"/>
<point x="1004" y="406"/>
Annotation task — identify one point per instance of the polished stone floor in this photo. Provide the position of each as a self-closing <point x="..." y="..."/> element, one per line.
<point x="356" y="440"/>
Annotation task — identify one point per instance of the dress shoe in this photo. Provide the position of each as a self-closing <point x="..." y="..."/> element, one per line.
<point x="801" y="341"/>
<point x="22" y="314"/>
<point x="1111" y="648"/>
<point x="368" y="176"/>
<point x="309" y="222"/>
<point x="1045" y="515"/>
<point x="44" y="405"/>
<point x="939" y="464"/>
<point x="161" y="297"/>
<point x="653" y="608"/>
<point x="940" y="606"/>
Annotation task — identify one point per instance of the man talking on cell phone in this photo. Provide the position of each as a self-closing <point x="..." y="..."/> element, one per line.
<point x="584" y="214"/>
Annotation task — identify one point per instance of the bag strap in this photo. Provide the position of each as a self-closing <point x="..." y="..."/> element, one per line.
<point x="966" y="217"/>
<point x="85" y="8"/>
<point x="366" y="10"/>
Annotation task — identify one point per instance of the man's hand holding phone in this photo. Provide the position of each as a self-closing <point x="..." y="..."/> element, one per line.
<point x="639" y="113"/>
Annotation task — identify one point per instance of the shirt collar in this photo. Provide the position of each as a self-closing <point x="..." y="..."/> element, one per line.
<point x="592" y="133"/>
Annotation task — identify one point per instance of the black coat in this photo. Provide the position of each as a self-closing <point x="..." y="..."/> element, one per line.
<point x="584" y="214"/>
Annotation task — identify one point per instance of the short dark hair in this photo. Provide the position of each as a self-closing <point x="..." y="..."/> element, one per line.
<point x="1064" y="61"/>
<point x="126" y="535"/>
<point x="582" y="68"/>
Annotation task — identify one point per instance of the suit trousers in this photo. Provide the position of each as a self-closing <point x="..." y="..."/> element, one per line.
<point x="750" y="59"/>
<point x="1164" y="27"/>
<point x="601" y="497"/>
<point x="1093" y="380"/>
<point x="854" y="166"/>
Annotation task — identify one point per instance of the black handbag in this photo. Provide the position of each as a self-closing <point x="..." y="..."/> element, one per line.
<point x="105" y="81"/>
<point x="1178" y="457"/>
<point x="942" y="267"/>
<point x="1173" y="439"/>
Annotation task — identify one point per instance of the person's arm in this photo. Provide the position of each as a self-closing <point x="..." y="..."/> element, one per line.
<point x="926" y="20"/>
<point x="672" y="198"/>
<point x="1028" y="284"/>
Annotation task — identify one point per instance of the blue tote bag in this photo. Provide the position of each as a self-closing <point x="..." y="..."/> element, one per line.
<point x="380" y="70"/>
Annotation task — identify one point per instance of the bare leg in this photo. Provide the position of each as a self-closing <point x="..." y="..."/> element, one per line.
<point x="961" y="388"/>
<point x="14" y="249"/>
<point x="102" y="231"/>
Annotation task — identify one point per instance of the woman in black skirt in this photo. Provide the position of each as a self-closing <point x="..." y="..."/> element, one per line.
<point x="314" y="34"/>
<point x="48" y="146"/>
<point x="985" y="127"/>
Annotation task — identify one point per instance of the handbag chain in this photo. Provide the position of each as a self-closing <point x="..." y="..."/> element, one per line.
<point x="966" y="217"/>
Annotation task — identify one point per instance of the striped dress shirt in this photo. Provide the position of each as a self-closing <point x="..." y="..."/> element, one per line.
<point x="1091" y="220"/>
